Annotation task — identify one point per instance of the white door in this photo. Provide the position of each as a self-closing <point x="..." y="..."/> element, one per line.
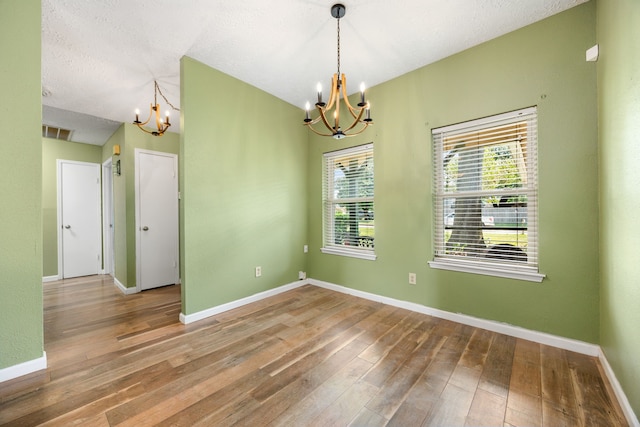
<point x="79" y="239"/>
<point x="156" y="218"/>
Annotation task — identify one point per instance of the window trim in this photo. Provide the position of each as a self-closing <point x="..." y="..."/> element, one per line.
<point x="340" y="250"/>
<point x="478" y="265"/>
<point x="488" y="269"/>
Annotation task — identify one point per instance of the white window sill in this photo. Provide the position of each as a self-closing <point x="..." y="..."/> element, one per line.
<point x="488" y="270"/>
<point x="353" y="253"/>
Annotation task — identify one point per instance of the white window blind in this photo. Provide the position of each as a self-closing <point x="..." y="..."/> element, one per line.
<point x="485" y="196"/>
<point x="348" y="219"/>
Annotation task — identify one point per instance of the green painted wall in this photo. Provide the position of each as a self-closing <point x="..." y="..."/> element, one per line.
<point x="619" y="126"/>
<point x="542" y="64"/>
<point x="129" y="137"/>
<point x="244" y="156"/>
<point x="52" y="150"/>
<point x="21" y="331"/>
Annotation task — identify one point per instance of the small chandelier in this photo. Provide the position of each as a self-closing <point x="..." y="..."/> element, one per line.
<point x="155" y="107"/>
<point x="339" y="84"/>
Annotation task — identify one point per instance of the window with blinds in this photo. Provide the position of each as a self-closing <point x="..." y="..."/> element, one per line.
<point x="485" y="196"/>
<point x="348" y="219"/>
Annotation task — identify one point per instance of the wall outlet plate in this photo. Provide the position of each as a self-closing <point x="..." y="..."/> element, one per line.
<point x="258" y="271"/>
<point x="412" y="278"/>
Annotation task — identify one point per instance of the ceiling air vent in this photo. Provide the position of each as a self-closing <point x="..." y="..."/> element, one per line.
<point x="56" y="133"/>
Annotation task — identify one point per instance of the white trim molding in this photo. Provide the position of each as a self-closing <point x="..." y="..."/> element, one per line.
<point x="490" y="325"/>
<point x="353" y="253"/>
<point x="519" y="274"/>
<point x="632" y="419"/>
<point x="47" y="279"/>
<point x="190" y="318"/>
<point x="123" y="288"/>
<point x="24" y="368"/>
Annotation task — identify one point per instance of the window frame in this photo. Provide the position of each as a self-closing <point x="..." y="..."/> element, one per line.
<point x="328" y="205"/>
<point x="528" y="271"/>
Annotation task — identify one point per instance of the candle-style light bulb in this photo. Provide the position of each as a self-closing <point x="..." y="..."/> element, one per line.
<point x="362" y="94"/>
<point x="307" y="117"/>
<point x="319" y="87"/>
<point x="167" y="118"/>
<point x="137" y="115"/>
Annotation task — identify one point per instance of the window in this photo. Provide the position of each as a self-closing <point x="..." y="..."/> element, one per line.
<point x="485" y="196"/>
<point x="348" y="218"/>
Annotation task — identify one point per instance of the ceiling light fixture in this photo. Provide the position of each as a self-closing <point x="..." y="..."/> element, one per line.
<point x="155" y="107"/>
<point x="338" y="85"/>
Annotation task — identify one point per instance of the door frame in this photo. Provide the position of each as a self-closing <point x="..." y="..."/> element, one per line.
<point x="59" y="163"/>
<point x="138" y="225"/>
<point x="108" y="218"/>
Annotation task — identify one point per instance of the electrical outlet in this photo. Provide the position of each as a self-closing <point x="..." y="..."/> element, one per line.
<point x="258" y="271"/>
<point x="305" y="248"/>
<point x="412" y="278"/>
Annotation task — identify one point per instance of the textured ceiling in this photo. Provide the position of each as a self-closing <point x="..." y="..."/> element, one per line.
<point x="99" y="58"/>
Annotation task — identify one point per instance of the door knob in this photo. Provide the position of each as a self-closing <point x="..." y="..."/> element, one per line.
<point x="145" y="228"/>
<point x="67" y="227"/>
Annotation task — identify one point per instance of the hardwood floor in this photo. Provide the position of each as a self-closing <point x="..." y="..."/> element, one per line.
<point x="305" y="357"/>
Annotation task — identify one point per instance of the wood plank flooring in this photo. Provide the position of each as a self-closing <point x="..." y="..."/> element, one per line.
<point x="307" y="357"/>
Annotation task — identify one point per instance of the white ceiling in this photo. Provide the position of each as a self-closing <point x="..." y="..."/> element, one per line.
<point x="100" y="58"/>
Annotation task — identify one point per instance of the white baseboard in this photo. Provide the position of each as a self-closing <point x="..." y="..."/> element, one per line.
<point x="24" y="368"/>
<point x="190" y="318"/>
<point x="491" y="325"/>
<point x="123" y="288"/>
<point x="46" y="279"/>
<point x="617" y="389"/>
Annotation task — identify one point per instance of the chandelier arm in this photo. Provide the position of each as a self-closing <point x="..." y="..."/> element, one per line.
<point x="159" y="123"/>
<point x="344" y="94"/>
<point x="334" y="95"/>
<point x="148" y="131"/>
<point x="158" y="132"/>
<point x="323" y="117"/>
<point x="149" y="118"/>
<point x="356" y="121"/>
<point x="316" y="132"/>
<point x="359" y="131"/>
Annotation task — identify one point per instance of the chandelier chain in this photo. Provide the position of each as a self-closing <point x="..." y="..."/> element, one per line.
<point x="164" y="97"/>
<point x="338" y="48"/>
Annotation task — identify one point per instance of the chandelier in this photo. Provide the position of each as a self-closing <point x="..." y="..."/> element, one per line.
<point x="330" y="111"/>
<point x="155" y="110"/>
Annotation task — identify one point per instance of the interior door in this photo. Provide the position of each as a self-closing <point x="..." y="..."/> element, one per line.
<point x="157" y="219"/>
<point x="79" y="242"/>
